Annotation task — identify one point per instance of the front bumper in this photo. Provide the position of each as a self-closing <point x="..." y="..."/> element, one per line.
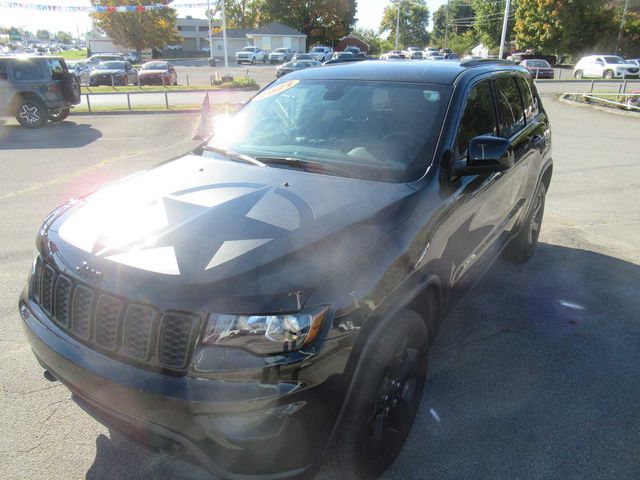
<point x="153" y="80"/>
<point x="96" y="81"/>
<point x="252" y="429"/>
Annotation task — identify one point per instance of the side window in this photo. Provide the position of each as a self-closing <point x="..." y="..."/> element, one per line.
<point x="478" y="118"/>
<point x="27" y="70"/>
<point x="530" y="105"/>
<point x="510" y="109"/>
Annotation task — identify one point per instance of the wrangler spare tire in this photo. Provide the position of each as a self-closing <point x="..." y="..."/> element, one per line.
<point x="70" y="87"/>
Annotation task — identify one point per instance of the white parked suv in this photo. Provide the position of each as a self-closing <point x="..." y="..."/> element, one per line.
<point x="605" y="66"/>
<point x="321" y="54"/>
<point x="251" y="55"/>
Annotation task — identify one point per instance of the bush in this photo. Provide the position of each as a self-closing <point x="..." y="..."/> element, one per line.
<point x="244" y="82"/>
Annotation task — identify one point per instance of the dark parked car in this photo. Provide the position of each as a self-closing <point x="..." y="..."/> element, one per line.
<point x="538" y="68"/>
<point x="302" y="56"/>
<point x="268" y="301"/>
<point x="295" y="65"/>
<point x="158" y="73"/>
<point x="37" y="89"/>
<point x="113" y="73"/>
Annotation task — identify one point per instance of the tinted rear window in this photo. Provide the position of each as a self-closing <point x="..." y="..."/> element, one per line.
<point x="25" y="70"/>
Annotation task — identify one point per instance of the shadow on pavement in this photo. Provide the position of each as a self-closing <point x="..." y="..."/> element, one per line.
<point x="534" y="375"/>
<point x="67" y="134"/>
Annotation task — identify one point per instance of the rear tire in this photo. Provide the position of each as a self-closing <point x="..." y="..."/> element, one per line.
<point x="60" y="116"/>
<point x="31" y="113"/>
<point x="523" y="245"/>
<point x="385" y="397"/>
<point x="608" y="74"/>
<point x="578" y="74"/>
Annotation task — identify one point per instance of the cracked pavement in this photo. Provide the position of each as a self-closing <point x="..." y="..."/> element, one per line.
<point x="534" y="375"/>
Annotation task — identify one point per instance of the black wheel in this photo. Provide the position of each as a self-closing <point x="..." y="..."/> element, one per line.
<point x="32" y="113"/>
<point x="60" y="115"/>
<point x="578" y="74"/>
<point x="608" y="74"/>
<point x="125" y="81"/>
<point x="253" y="61"/>
<point x="522" y="246"/>
<point x="385" y="398"/>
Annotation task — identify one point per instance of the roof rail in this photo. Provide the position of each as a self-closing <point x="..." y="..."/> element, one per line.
<point x="475" y="62"/>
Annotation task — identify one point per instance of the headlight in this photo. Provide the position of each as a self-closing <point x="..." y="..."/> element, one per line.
<point x="265" y="334"/>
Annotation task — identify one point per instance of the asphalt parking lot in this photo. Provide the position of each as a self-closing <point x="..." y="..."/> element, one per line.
<point x="535" y="374"/>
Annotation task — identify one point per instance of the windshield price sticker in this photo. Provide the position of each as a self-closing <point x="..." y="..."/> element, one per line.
<point x="275" y="90"/>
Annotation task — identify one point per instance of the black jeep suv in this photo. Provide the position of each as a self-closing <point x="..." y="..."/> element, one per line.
<point x="37" y="89"/>
<point x="268" y="301"/>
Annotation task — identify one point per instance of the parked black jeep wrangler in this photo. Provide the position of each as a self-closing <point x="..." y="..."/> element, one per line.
<point x="268" y="301"/>
<point x="37" y="89"/>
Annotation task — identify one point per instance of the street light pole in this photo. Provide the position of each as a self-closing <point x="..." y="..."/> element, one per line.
<point x="446" y="28"/>
<point x="397" y="23"/>
<point x="209" y="15"/>
<point x="505" y="24"/>
<point x="224" y="35"/>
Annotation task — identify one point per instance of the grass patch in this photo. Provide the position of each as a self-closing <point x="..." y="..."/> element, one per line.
<point x="73" y="54"/>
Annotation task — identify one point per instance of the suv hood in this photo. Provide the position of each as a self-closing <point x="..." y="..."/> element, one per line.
<point x="245" y="231"/>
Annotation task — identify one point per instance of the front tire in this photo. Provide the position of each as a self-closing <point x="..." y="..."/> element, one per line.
<point x="253" y="60"/>
<point x="31" y="113"/>
<point x="608" y="74"/>
<point x="125" y="81"/>
<point x="578" y="75"/>
<point x="385" y="397"/>
<point x="523" y="245"/>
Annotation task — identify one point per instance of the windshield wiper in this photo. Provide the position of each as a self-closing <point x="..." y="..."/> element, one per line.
<point x="308" y="165"/>
<point x="235" y="156"/>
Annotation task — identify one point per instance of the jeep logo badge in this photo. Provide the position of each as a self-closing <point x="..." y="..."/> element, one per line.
<point x="88" y="273"/>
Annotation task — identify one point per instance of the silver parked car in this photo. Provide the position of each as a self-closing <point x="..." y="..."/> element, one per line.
<point x="81" y="70"/>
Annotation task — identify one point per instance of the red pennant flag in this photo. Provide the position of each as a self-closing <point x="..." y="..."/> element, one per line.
<point x="139" y="8"/>
<point x="111" y="9"/>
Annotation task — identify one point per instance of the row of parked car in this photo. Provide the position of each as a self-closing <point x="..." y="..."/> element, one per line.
<point x="253" y="55"/>
<point x="113" y="69"/>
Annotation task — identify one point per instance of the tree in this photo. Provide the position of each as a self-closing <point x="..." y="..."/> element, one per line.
<point x="43" y="35"/>
<point x="460" y="20"/>
<point x="323" y="21"/>
<point x="414" y="19"/>
<point x="371" y="37"/>
<point x="488" y="20"/>
<point x="138" y="30"/>
<point x="463" y="43"/>
<point x="63" y="37"/>
<point x="243" y="13"/>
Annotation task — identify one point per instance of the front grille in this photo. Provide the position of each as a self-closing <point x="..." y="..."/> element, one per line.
<point x="113" y="325"/>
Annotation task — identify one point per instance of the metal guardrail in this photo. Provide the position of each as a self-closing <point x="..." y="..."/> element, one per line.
<point x="627" y="105"/>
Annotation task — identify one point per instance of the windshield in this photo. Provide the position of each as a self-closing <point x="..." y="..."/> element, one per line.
<point x="317" y="49"/>
<point x="111" y="66"/>
<point x="155" y="66"/>
<point x="249" y="49"/>
<point x="381" y="131"/>
<point x="613" y="59"/>
<point x="281" y="50"/>
<point x="537" y="63"/>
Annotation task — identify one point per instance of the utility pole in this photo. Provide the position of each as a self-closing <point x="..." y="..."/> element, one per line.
<point x="624" y="14"/>
<point x="505" y="24"/>
<point x="446" y="28"/>
<point x="224" y="35"/>
<point x="209" y="15"/>
<point x="397" y="21"/>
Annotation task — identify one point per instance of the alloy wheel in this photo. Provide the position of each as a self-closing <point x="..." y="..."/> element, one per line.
<point x="30" y="113"/>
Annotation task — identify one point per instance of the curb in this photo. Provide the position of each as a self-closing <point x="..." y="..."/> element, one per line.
<point x="562" y="98"/>
<point x="133" y="112"/>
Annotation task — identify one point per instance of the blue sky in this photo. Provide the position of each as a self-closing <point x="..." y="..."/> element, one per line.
<point x="369" y="15"/>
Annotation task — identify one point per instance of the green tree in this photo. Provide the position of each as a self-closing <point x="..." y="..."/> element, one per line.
<point x="414" y="19"/>
<point x="371" y="37"/>
<point x="43" y="35"/>
<point x="138" y="30"/>
<point x="586" y="26"/>
<point x="63" y="37"/>
<point x="463" y="43"/>
<point x="460" y="20"/>
<point x="488" y="21"/>
<point x="323" y="21"/>
<point x="243" y="13"/>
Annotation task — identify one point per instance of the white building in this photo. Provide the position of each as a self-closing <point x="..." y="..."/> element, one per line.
<point x="480" y="50"/>
<point x="267" y="37"/>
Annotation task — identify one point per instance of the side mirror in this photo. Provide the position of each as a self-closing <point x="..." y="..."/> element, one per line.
<point x="486" y="154"/>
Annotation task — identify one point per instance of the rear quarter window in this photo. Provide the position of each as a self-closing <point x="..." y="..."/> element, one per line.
<point x="27" y="70"/>
<point x="530" y="102"/>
